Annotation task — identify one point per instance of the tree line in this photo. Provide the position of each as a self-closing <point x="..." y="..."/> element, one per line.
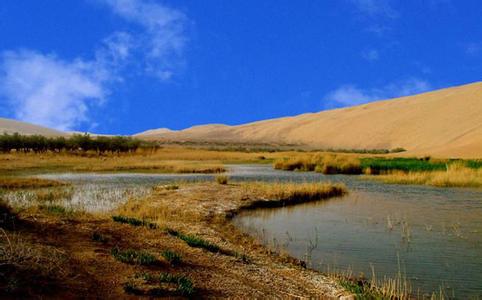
<point x="73" y="143"/>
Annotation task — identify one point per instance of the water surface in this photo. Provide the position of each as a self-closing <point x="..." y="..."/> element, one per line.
<point x="432" y="235"/>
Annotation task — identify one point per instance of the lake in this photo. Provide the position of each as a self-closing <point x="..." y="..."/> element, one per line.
<point x="432" y="236"/>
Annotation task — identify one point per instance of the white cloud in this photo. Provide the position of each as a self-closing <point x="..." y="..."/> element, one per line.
<point x="162" y="38"/>
<point x="375" y="8"/>
<point x="370" y="54"/>
<point x="349" y="94"/>
<point x="45" y="90"/>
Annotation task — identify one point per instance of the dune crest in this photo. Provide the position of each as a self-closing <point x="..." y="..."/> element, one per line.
<point x="445" y="122"/>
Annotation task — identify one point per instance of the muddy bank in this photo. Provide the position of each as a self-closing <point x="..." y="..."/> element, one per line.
<point x="235" y="265"/>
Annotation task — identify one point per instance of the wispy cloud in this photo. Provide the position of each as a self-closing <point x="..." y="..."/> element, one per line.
<point x="375" y="8"/>
<point x="350" y="94"/>
<point x="370" y="54"/>
<point x="47" y="90"/>
<point x="43" y="89"/>
<point x="473" y="48"/>
<point x="161" y="38"/>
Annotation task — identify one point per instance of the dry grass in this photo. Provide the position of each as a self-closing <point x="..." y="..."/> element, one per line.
<point x="164" y="160"/>
<point x="199" y="211"/>
<point x="222" y="179"/>
<point x="456" y="175"/>
<point x="292" y="193"/>
<point x="322" y="163"/>
<point x="26" y="265"/>
<point x="13" y="183"/>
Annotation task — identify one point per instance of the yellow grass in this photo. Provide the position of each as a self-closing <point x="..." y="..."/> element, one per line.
<point x="25" y="183"/>
<point x="456" y="175"/>
<point x="321" y="162"/>
<point x="165" y="160"/>
<point x="294" y="191"/>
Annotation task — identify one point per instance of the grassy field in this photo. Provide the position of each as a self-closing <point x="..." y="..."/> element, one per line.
<point x="176" y="242"/>
<point x="164" y="160"/>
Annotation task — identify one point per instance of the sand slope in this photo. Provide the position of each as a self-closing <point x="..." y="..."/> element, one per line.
<point x="12" y="126"/>
<point x="445" y="123"/>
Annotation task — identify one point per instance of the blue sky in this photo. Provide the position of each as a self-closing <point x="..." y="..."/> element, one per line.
<point x="124" y="66"/>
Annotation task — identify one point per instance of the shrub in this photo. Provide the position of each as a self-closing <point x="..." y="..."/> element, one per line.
<point x="222" y="179"/>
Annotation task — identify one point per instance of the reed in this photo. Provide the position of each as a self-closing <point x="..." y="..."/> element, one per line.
<point x="282" y="194"/>
<point x="222" y="179"/>
<point x="455" y="175"/>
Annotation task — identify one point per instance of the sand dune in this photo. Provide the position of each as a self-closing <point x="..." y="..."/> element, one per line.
<point x="12" y="126"/>
<point x="446" y="123"/>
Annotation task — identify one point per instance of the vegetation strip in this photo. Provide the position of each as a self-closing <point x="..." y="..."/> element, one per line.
<point x="194" y="241"/>
<point x="134" y="221"/>
<point x="131" y="256"/>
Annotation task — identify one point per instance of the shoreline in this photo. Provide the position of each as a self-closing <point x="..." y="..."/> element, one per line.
<point x="241" y="267"/>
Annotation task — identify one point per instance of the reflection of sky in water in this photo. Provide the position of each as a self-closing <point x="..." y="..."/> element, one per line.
<point x="435" y="233"/>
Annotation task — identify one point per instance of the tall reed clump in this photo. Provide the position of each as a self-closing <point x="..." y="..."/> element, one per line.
<point x="281" y="194"/>
<point x="455" y="175"/>
<point x="222" y="179"/>
<point x="326" y="164"/>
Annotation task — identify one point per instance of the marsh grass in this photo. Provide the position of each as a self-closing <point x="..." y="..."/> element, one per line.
<point x="134" y="221"/>
<point x="183" y="286"/>
<point x="322" y="163"/>
<point x="398" y="287"/>
<point x="131" y="256"/>
<point x="282" y="194"/>
<point x="14" y="183"/>
<point x="172" y="257"/>
<point x="455" y="175"/>
<point x="222" y="179"/>
<point x="173" y="159"/>
<point x="57" y="210"/>
<point x="194" y="241"/>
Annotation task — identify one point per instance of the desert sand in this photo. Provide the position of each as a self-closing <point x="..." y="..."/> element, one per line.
<point x="12" y="126"/>
<point x="443" y="123"/>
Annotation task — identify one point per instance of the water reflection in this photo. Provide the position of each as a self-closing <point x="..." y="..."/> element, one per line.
<point x="434" y="235"/>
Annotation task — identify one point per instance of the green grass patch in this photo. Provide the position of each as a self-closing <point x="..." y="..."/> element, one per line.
<point x="172" y="257"/>
<point x="131" y="256"/>
<point x="184" y="285"/>
<point x="380" y="165"/>
<point x="195" y="241"/>
<point x="134" y="221"/>
<point x="474" y="164"/>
